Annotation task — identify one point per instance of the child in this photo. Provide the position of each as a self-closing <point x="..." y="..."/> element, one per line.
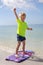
<point x="21" y="30"/>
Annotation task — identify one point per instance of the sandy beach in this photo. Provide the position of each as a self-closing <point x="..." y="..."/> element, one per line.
<point x="36" y="61"/>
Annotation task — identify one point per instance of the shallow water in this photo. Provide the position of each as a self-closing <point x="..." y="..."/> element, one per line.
<point x="34" y="38"/>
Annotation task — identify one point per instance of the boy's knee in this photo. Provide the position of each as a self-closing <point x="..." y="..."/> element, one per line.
<point x="19" y="43"/>
<point x="23" y="42"/>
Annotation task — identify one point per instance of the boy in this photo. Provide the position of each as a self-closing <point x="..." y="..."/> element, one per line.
<point x="21" y="30"/>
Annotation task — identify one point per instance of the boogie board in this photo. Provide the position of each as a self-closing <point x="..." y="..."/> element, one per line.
<point x="21" y="58"/>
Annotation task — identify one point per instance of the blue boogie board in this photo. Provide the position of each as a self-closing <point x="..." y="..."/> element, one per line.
<point x="21" y="58"/>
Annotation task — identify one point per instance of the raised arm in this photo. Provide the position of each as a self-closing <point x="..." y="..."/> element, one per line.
<point x="15" y="13"/>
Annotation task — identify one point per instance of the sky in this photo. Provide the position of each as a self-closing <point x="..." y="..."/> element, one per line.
<point x="32" y="8"/>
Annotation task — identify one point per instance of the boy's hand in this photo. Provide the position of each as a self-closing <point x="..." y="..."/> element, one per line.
<point x="29" y="28"/>
<point x="14" y="9"/>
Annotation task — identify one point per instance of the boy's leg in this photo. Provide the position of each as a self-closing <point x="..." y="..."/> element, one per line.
<point x="23" y="42"/>
<point x="18" y="45"/>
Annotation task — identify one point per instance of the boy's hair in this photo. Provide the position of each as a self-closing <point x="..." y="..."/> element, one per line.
<point x="22" y="13"/>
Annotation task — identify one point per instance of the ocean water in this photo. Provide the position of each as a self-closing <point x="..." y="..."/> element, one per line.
<point x="34" y="38"/>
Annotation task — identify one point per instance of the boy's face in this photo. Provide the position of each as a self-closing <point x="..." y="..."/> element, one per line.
<point x="23" y="17"/>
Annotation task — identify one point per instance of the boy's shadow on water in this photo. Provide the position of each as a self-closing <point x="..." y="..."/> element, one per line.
<point x="36" y="59"/>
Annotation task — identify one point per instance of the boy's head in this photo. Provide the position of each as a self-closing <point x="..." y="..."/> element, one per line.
<point x="22" y="16"/>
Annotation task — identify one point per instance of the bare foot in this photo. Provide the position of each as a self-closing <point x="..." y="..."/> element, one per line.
<point x="16" y="55"/>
